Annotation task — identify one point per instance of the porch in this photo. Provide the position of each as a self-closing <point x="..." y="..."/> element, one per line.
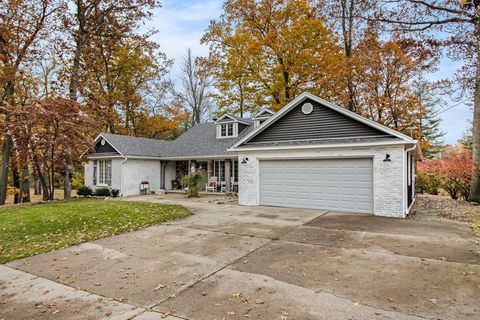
<point x="218" y="175"/>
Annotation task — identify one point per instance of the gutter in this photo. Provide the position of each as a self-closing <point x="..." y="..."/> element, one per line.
<point x="319" y="146"/>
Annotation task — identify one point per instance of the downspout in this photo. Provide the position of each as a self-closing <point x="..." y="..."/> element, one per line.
<point x="121" y="175"/>
<point x="411" y="173"/>
<point x="163" y="165"/>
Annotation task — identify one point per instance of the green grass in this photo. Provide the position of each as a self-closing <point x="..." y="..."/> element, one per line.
<point x="32" y="229"/>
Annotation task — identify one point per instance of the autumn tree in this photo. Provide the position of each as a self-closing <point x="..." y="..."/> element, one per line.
<point x="120" y="74"/>
<point x="269" y="51"/>
<point x="55" y="132"/>
<point x="454" y="26"/>
<point x="22" y="24"/>
<point x="194" y="92"/>
<point x="386" y="70"/>
<point x="90" y="23"/>
<point x="347" y="18"/>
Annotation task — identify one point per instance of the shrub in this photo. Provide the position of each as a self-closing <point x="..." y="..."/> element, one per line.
<point x="78" y="179"/>
<point x="84" y="191"/>
<point x="115" y="193"/>
<point x="102" y="192"/>
<point x="427" y="183"/>
<point x="451" y="174"/>
<point x="191" y="181"/>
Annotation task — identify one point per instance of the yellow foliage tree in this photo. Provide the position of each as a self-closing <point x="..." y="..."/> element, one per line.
<point x="264" y="53"/>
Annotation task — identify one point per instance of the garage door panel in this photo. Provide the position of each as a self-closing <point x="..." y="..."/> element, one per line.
<point x="333" y="184"/>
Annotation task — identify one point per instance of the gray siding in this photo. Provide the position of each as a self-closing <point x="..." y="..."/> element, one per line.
<point x="241" y="127"/>
<point x="322" y="123"/>
<point x="107" y="148"/>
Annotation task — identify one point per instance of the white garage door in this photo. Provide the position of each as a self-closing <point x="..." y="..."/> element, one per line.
<point x="333" y="184"/>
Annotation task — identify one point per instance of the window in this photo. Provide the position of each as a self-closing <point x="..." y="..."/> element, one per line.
<point x="95" y="172"/>
<point x="226" y="130"/>
<point x="235" y="170"/>
<point x="219" y="170"/>
<point x="102" y="172"/>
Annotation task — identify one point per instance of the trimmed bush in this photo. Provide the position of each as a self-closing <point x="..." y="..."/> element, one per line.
<point x="102" y="192"/>
<point x="115" y="193"/>
<point x="84" y="191"/>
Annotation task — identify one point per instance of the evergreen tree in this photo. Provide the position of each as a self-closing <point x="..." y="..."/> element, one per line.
<point x="466" y="139"/>
<point x="431" y="137"/>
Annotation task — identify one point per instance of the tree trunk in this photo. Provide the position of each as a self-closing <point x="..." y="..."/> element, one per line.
<point x="16" y="184"/>
<point x="25" y="186"/>
<point x="7" y="144"/>
<point x="37" y="186"/>
<point x="67" y="186"/>
<point x="80" y="43"/>
<point x="475" y="183"/>
<point x="44" y="181"/>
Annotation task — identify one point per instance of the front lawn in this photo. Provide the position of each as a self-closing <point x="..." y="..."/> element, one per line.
<point x="32" y="229"/>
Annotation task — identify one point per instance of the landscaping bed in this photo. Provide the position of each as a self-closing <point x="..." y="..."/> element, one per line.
<point x="26" y="230"/>
<point x="447" y="208"/>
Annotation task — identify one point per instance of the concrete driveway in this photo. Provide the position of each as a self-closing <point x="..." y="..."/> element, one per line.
<point x="232" y="262"/>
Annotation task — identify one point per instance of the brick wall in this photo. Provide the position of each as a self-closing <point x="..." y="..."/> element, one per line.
<point x="388" y="177"/>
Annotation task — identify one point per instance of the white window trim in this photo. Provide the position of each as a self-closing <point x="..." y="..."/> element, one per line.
<point x="234" y="130"/>
<point x="102" y="181"/>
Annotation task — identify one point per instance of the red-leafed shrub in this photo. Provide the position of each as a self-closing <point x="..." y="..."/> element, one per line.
<point x="452" y="174"/>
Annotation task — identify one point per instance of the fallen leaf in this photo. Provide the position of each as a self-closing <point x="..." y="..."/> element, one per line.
<point x="160" y="286"/>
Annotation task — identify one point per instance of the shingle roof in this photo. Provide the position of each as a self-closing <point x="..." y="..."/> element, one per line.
<point x="199" y="140"/>
<point x="134" y="146"/>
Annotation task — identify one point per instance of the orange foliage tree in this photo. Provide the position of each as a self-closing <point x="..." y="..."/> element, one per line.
<point x="264" y="53"/>
<point x="452" y="174"/>
<point x="55" y="133"/>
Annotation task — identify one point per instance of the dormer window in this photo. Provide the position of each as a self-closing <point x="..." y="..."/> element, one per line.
<point x="226" y="130"/>
<point x="229" y="126"/>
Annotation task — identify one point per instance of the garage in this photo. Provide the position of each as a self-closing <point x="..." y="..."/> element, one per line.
<point x="328" y="184"/>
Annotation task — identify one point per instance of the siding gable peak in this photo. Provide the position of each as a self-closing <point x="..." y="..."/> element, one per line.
<point x="310" y="118"/>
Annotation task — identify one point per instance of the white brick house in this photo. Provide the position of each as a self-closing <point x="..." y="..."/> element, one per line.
<point x="311" y="154"/>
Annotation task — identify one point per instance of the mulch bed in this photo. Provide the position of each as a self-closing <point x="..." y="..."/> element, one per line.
<point x="447" y="208"/>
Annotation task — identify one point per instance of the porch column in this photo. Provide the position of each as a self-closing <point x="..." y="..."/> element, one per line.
<point x="193" y="166"/>
<point x="227" y="176"/>
<point x="209" y="169"/>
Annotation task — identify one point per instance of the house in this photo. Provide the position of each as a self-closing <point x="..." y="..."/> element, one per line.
<point x="310" y="154"/>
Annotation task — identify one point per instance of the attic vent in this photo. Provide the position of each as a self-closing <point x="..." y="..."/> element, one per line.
<point x="102" y="142"/>
<point x="307" y="108"/>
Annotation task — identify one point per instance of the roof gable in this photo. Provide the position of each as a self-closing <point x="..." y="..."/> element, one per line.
<point x="326" y="121"/>
<point x="265" y="113"/>
<point x="134" y="146"/>
<point x="103" y="147"/>
<point x="230" y="118"/>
